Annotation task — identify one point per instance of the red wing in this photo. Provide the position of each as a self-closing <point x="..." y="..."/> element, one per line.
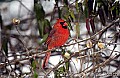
<point x="52" y="32"/>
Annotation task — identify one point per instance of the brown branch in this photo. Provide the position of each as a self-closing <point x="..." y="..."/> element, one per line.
<point x="98" y="65"/>
<point x="102" y="30"/>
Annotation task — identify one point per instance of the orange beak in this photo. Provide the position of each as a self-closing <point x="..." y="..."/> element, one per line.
<point x="65" y="24"/>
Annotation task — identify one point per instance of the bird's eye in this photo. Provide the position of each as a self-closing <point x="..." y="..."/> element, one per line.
<point x="62" y="23"/>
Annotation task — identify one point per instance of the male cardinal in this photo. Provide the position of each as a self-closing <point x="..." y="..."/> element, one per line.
<point x="57" y="37"/>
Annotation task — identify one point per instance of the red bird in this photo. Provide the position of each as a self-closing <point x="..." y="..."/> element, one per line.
<point x="57" y="37"/>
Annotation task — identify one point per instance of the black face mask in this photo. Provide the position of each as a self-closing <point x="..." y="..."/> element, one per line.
<point x="62" y="23"/>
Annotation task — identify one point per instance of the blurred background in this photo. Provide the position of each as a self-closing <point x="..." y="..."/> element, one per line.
<point x="92" y="50"/>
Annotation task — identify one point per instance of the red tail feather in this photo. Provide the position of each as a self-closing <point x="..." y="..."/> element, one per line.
<point x="45" y="62"/>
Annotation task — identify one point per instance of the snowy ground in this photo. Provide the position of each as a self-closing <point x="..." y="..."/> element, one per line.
<point x="15" y="9"/>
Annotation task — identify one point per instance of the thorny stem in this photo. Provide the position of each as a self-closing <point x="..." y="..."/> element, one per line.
<point x="28" y="53"/>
